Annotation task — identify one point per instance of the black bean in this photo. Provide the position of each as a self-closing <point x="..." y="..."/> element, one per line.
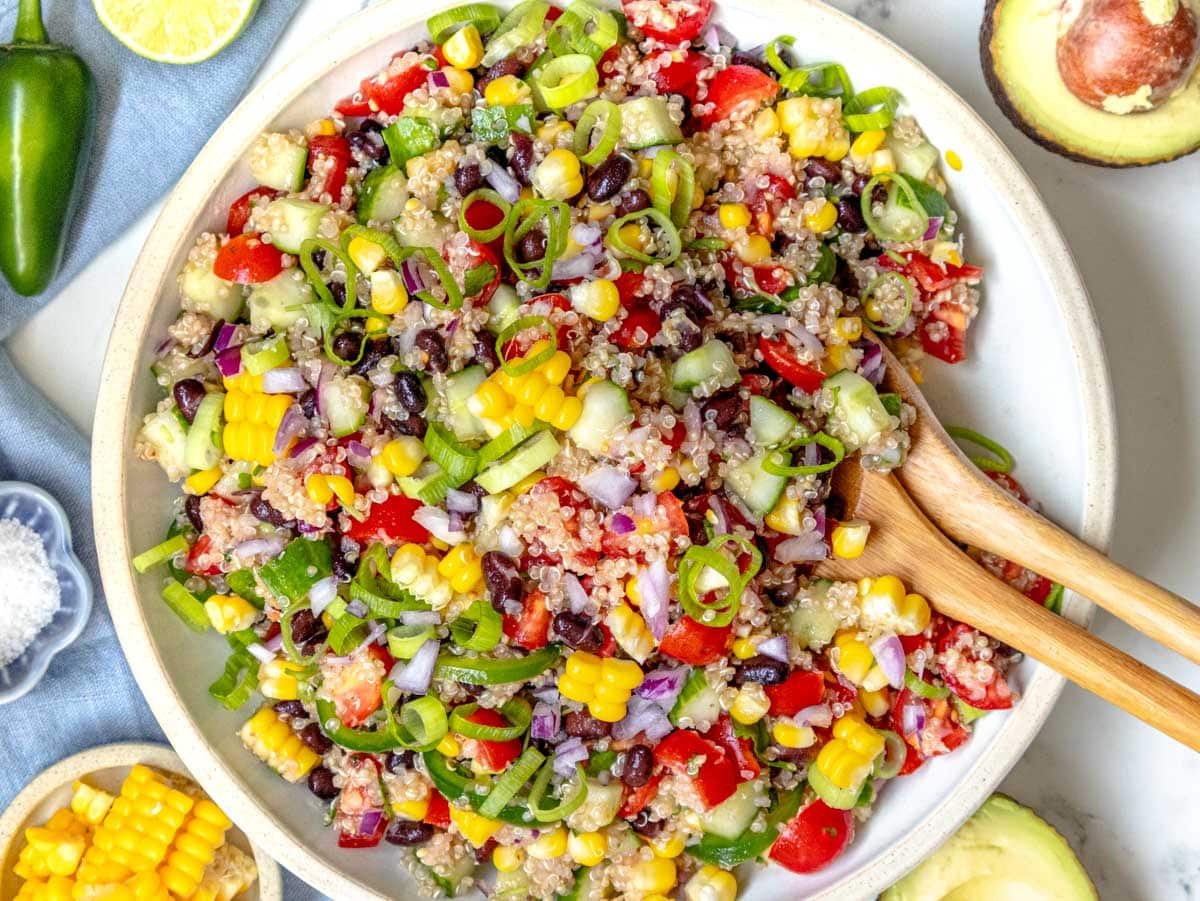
<point x="503" y="581"/>
<point x="320" y="783"/>
<point x="742" y="58"/>
<point x="580" y="724"/>
<point x="408" y="833"/>
<point x="816" y="167"/>
<point x="690" y="335"/>
<point x="312" y="736"/>
<point x="338" y="290"/>
<point x="431" y="343"/>
<point x="467" y="178"/>
<point x="609" y="177"/>
<point x="639" y="762"/>
<point x="577" y="631"/>
<point x="646" y="827"/>
<point x="532" y="246"/>
<point x="724" y="409"/>
<point x="697" y="303"/>
<point x="410" y="392"/>
<point x="264" y="512"/>
<point x="763" y="669"/>
<point x="632" y="201"/>
<point x="835" y="507"/>
<point x="369" y="144"/>
<point x="373" y="125"/>
<point x="191" y="508"/>
<point x="290" y="709"/>
<point x="318" y="258"/>
<point x="485" y="353"/>
<point x="346" y="345"/>
<point x="860" y="182"/>
<point x="850" y="215"/>
<point x="521" y="157"/>
<point x="188" y="393"/>
<point x="782" y="595"/>
<point x="399" y="761"/>
<point x="308" y="403"/>
<point x="337" y="558"/>
<point x="375" y="351"/>
<point x="207" y="346"/>
<point x="510" y="65"/>
<point x="413" y="424"/>
<point x="305" y="625"/>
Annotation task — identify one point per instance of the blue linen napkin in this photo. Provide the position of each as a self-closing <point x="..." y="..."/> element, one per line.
<point x="152" y="120"/>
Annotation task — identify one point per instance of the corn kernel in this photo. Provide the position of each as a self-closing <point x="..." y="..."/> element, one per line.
<point x="558" y="176"/>
<point x="849" y="539"/>
<point x="656" y="875"/>
<point x="914" y="615"/>
<point x="734" y="215"/>
<point x="631" y="235"/>
<point x="402" y="456"/>
<point x="848" y="328"/>
<point x="388" y="294"/>
<point x="507" y="90"/>
<point x="555" y="369"/>
<point x="202" y="482"/>
<point x="837" y="148"/>
<point x="875" y="703"/>
<point x="508" y="858"/>
<point x="792" y="113"/>
<point x="475" y="828"/>
<point x="789" y="735"/>
<point x="598" y="299"/>
<point x="823" y="219"/>
<point x="230" y="613"/>
<point x="366" y="254"/>
<point x="550" y="132"/>
<point x="449" y="746"/>
<point x="326" y="127"/>
<point x="342" y="488"/>
<point x="787" y="516"/>
<point x="882" y="161"/>
<point x="954" y="161"/>
<point x="549" y="845"/>
<point x="464" y="49"/>
<point x="711" y="884"/>
<point x="750" y="704"/>
<point x="414" y="810"/>
<point x="801" y="144"/>
<point x="587" y="848"/>
<point x="665" y="480"/>
<point x="460" y="80"/>
<point x="867" y="143"/>
<point x="316" y="486"/>
<point x="766" y="124"/>
<point x="743" y="649"/>
<point x="89" y="804"/>
<point x="568" y="414"/>
<point x="668" y="847"/>
<point x="754" y="249"/>
<point x="277" y="680"/>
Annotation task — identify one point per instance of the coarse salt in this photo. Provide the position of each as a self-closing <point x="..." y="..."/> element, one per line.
<point x="29" y="589"/>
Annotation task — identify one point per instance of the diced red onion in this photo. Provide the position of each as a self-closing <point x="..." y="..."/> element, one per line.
<point x="341" y="660"/>
<point x="873" y="368"/>
<point x="415" y="676"/>
<point x="642" y="715"/>
<point x="378" y="630"/>
<point x="438" y="79"/>
<point x="274" y="643"/>
<point x="369" y="822"/>
<point x="420" y="617"/>
<point x="622" y="524"/>
<point x="577" y="598"/>
<point x="229" y="361"/>
<point x="328" y="371"/>
<point x="283" y="381"/>
<point x="577" y="266"/>
<point x="586" y="233"/>
<point x="651" y="152"/>
<point x="506" y="186"/>
<point x="889" y="654"/>
<point x="461" y="501"/>
<point x="609" y="485"/>
<point x="452" y="327"/>
<point x="358" y="453"/>
<point x="357" y="608"/>
<point x="912" y="718"/>
<point x="645" y="504"/>
<point x="775" y="647"/>
<point x="718" y="509"/>
<point x="807" y="340"/>
<point x="457" y="521"/>
<point x="653" y="584"/>
<point x="379" y="397"/>
<point x="414" y="277"/>
<point x="307" y="528"/>
<point x="321" y="595"/>
<point x="225" y="335"/>
<point x="812" y="454"/>
<point x="545" y="722"/>
<point x="807" y="548"/>
<point x="290" y="427"/>
<point x="712" y="40"/>
<point x="569" y="754"/>
<point x="270" y="546"/>
<point x="261" y="652"/>
<point x="305" y="444"/>
<point x="822" y="526"/>
<point x="820" y="715"/>
<point x="437" y="522"/>
<point x="663" y="686"/>
<point x="736" y="502"/>
<point x="549" y="694"/>
<point x="691" y="419"/>
<point x="935" y="226"/>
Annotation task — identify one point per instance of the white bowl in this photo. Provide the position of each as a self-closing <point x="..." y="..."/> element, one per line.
<point x="1037" y="380"/>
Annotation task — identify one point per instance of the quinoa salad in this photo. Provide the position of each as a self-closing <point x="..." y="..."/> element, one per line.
<point x="504" y="411"/>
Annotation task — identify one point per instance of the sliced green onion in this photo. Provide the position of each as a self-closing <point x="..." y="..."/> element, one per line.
<point x="912" y="202"/>
<point x="186" y="606"/>
<point x="483" y="16"/>
<point x="894" y="753"/>
<point x="891" y="402"/>
<point x="519" y="28"/>
<point x="478" y="628"/>
<point x="496" y="670"/>
<point x="775" y="465"/>
<point x="894" y="326"/>
<point x="454" y="296"/>
<point x="703" y="244"/>
<point x="477" y="278"/>
<point x="1001" y="461"/>
<point x="528" y="362"/>
<point x="566" y="80"/>
<point x="669" y="235"/>
<point x="290" y="648"/>
<point x="484" y="236"/>
<point x="819" y="80"/>
<point x="771" y="53"/>
<point x="570" y="31"/>
<point x="262" y="356"/>
<point x="516" y="711"/>
<point x="673" y="200"/>
<point x="873" y="108"/>
<point x="966" y="713"/>
<point x="347" y="633"/>
<point x="506" y="441"/>
<point x="510" y="783"/>
<point x="404" y="641"/>
<point x="721" y="610"/>
<point x="568" y="805"/>
<point x="458" y="461"/>
<point x="372" y="585"/>
<point x="833" y="795"/>
<point x="308" y="248"/>
<point x="1054" y="599"/>
<point x="597" y="111"/>
<point x="923" y="689"/>
<point x="422" y="724"/>
<point x="160" y="553"/>
<point x="233" y="687"/>
<point x="526" y="215"/>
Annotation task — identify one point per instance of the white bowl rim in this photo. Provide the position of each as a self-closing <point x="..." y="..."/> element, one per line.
<point x="109" y="453"/>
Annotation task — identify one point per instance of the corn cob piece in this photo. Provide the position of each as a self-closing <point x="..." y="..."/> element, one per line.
<point x="274" y="743"/>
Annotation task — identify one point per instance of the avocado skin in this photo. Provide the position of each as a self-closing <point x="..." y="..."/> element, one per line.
<point x="1012" y="824"/>
<point x="987" y="30"/>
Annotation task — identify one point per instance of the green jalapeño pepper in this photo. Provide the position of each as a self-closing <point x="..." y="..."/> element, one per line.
<point x="47" y="114"/>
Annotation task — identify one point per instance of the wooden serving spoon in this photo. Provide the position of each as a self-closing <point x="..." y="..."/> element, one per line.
<point x="969" y="507"/>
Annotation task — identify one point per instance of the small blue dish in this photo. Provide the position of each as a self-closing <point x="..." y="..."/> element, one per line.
<point x="35" y="508"/>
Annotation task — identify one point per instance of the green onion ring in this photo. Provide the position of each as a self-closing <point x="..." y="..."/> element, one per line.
<point x="708" y="243"/>
<point x="611" y="114"/>
<point x="908" y="299"/>
<point x="868" y="213"/>
<point x="289" y="643"/>
<point x="454" y="297"/>
<point x="458" y="461"/>
<point x="566" y="80"/>
<point x="773" y="58"/>
<point x="873" y="108"/>
<point x="666" y="226"/>
<point x="484" y="236"/>
<point x="528" y="363"/>
<point x="567" y="806"/>
<point x="404" y="641"/>
<point x="313" y="271"/>
<point x="923" y="689"/>
<point x="1001" y="461"/>
<point x="834" y="796"/>
<point x="569" y="32"/>
<point x="483" y="16"/>
<point x="372" y="585"/>
<point x="517" y="712"/>
<point x="422" y="724"/>
<point x="722" y="611"/>
<point x="510" y="783"/>
<point x="524" y="217"/>
<point x="678" y="203"/>
<point x="520" y="27"/>
<point x="347" y="633"/>
<point x="771" y="463"/>
<point x="478" y="628"/>
<point x="496" y="670"/>
<point x="834" y="82"/>
<point x="894" y="753"/>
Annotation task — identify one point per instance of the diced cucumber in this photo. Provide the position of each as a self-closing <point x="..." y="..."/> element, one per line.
<point x="204" y="449"/>
<point x="605" y="409"/>
<point x="914" y="161"/>
<point x="733" y="816"/>
<point x="588" y="881"/>
<point x="709" y="367"/>
<point x="460" y="386"/>
<point x="277" y="304"/>
<point x="505" y="442"/>
<point x="759" y="489"/>
<point x="646" y="122"/>
<point x="503" y="307"/>
<point x="599" y="808"/>
<point x="770" y="424"/>
<point x="525" y="460"/>
<point x="430" y="232"/>
<point x="293" y="221"/>
<point x="814" y="625"/>
<point x="261" y="356"/>
<point x="166" y="432"/>
<point x="858" y="414"/>
<point x="511" y="886"/>
<point x="383" y="195"/>
<point x="204" y="292"/>
<point x="344" y="403"/>
<point x="278" y="161"/>
<point x="413" y="485"/>
<point x="697" y="701"/>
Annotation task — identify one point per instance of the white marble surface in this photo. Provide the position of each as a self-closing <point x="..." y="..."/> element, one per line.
<point x="1127" y="798"/>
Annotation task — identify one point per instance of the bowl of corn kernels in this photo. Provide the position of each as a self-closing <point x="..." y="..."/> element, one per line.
<point x="126" y="820"/>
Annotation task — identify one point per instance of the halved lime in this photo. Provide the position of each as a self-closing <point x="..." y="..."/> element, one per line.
<point x="175" y="31"/>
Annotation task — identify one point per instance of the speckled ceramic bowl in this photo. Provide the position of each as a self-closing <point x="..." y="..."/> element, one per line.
<point x="42" y="513"/>
<point x="1037" y="380"/>
<point x="105" y="767"/>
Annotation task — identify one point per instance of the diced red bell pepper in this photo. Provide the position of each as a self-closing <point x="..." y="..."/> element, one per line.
<point x="717" y="776"/>
<point x="356" y="688"/>
<point x="201" y="548"/>
<point x="438" y="812"/>
<point x="333" y="151"/>
<point x="530" y="630"/>
<point x="239" y="210"/>
<point x="779" y="356"/>
<point x="630" y="286"/>
<point x="248" y="260"/>
<point x="682" y="77"/>
<point x="638" y="329"/>
<point x="390" y="522"/>
<point x="739" y="748"/>
<point x="814" y="838"/>
<point x="669" y="21"/>
<point x="636" y="799"/>
<point x="802" y="688"/>
<point x="734" y="88"/>
<point x="772" y="279"/>
<point x="491" y="756"/>
<point x="941" y="339"/>
<point x="995" y="695"/>
<point x="691" y="642"/>
<point x="385" y="97"/>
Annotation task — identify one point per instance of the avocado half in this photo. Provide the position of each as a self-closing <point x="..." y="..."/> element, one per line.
<point x="1018" y="42"/>
<point x="1005" y="852"/>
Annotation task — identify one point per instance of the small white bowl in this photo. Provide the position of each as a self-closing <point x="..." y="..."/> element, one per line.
<point x="105" y="767"/>
<point x="32" y="506"/>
